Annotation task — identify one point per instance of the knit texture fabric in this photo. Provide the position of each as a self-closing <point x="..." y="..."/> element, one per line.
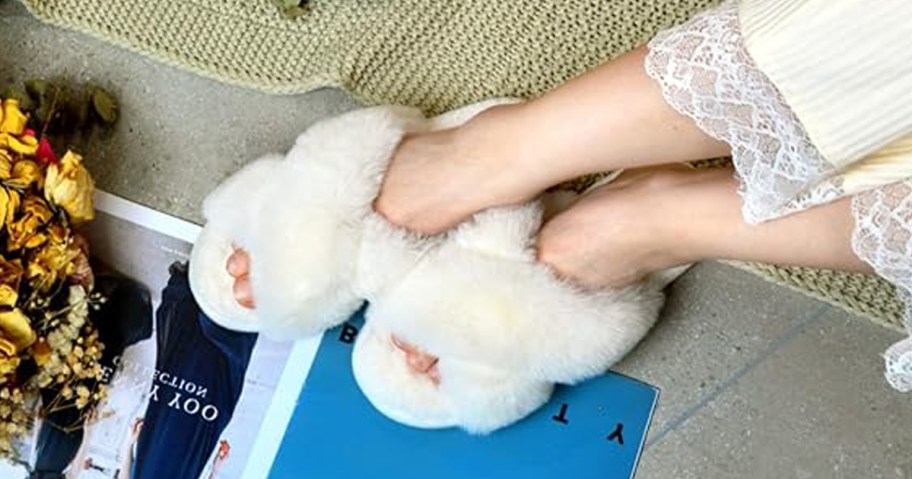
<point x="871" y="297"/>
<point x="436" y="55"/>
<point x="432" y="55"/>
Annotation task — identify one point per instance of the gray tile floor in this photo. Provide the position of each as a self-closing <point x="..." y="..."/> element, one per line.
<point x="757" y="381"/>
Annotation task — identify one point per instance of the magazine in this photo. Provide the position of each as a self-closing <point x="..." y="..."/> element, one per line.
<point x="189" y="399"/>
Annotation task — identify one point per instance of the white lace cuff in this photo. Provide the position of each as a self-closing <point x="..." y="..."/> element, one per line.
<point x="707" y="74"/>
<point x="883" y="238"/>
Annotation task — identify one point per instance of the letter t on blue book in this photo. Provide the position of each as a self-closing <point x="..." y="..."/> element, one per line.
<point x="592" y="430"/>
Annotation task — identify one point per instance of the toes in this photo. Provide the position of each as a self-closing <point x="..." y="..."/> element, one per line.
<point x="402" y="345"/>
<point x="243" y="292"/>
<point x="238" y="263"/>
<point x="434" y="374"/>
<point x="420" y="362"/>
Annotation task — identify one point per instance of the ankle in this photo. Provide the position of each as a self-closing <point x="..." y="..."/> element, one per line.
<point x="673" y="228"/>
<point x="691" y="233"/>
<point x="504" y="139"/>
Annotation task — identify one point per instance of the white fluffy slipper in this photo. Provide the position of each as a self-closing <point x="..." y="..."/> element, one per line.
<point x="471" y="395"/>
<point x="305" y="219"/>
<point x="504" y="327"/>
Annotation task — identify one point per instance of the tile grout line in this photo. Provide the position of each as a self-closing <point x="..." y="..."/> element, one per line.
<point x="775" y="346"/>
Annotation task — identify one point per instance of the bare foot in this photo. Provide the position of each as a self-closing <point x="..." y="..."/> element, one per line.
<point x="438" y="179"/>
<point x="617" y="234"/>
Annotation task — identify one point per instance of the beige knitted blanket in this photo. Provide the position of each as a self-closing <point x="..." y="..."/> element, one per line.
<point x="427" y="53"/>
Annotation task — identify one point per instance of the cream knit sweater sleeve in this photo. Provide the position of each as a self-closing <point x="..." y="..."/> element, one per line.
<point x="843" y="66"/>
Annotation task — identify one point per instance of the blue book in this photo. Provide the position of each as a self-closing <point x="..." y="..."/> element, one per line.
<point x="592" y="430"/>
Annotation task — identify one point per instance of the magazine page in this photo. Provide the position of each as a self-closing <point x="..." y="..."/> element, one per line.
<point x="186" y="397"/>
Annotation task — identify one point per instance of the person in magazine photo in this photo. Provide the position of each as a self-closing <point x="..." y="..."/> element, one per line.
<point x="200" y="376"/>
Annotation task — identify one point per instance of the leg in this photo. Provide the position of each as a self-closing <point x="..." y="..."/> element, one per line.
<point x="657" y="218"/>
<point x="819" y="238"/>
<point x="612" y="117"/>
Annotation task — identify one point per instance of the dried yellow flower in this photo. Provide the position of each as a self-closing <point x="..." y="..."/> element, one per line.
<point x="25" y="231"/>
<point x="52" y="262"/>
<point x="13" y="120"/>
<point x="36" y="207"/>
<point x="71" y="187"/>
<point x="12" y="206"/>
<point x="6" y="164"/>
<point x="5" y="203"/>
<point x="58" y="233"/>
<point x="7" y="348"/>
<point x="8" y="295"/>
<point x="15" y="327"/>
<point x="32" y="200"/>
<point x="25" y="173"/>
<point x="10" y="276"/>
<point x="24" y="145"/>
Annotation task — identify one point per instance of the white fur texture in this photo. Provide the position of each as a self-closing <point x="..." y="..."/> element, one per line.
<point x="505" y="328"/>
<point x="302" y="217"/>
<point x="491" y="302"/>
<point x="474" y="396"/>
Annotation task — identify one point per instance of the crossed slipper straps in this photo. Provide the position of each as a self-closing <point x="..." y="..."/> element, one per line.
<point x="502" y="327"/>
